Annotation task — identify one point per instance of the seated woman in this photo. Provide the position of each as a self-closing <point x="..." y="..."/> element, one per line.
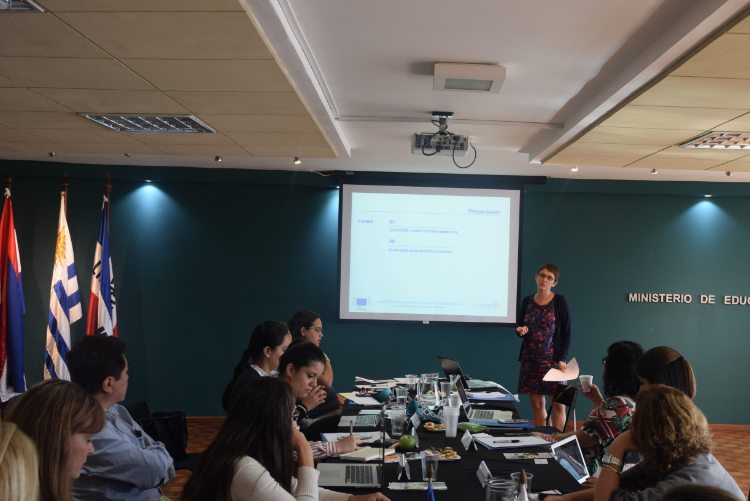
<point x="663" y="365"/>
<point x="672" y="435"/>
<point x="308" y="326"/>
<point x="612" y="416"/>
<point x="300" y="366"/>
<point x="268" y="342"/>
<point x="252" y="458"/>
<point x="19" y="465"/>
<point x="61" y="418"/>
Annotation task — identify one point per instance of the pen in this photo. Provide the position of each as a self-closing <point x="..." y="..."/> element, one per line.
<point x="351" y="428"/>
<point x="505" y="441"/>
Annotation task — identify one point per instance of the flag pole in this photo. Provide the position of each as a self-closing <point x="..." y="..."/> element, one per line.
<point x="65" y="194"/>
<point x="107" y="191"/>
<point x="8" y="180"/>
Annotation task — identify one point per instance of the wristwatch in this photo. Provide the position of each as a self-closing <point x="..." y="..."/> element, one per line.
<point x="610" y="459"/>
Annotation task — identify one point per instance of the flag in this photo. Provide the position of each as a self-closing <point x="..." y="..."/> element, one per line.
<point x="430" y="495"/>
<point x="102" y="318"/>
<point x="12" y="308"/>
<point x="64" y="302"/>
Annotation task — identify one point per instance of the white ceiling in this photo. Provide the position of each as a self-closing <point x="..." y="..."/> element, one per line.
<point x="567" y="63"/>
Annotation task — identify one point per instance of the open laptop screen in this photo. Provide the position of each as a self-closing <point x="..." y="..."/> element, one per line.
<point x="568" y="454"/>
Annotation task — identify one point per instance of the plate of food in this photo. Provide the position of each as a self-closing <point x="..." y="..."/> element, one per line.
<point x="434" y="427"/>
<point x="446" y="453"/>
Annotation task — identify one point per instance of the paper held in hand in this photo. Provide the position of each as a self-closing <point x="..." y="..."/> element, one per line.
<point x="571" y="372"/>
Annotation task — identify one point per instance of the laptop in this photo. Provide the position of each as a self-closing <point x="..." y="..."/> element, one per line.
<point x="370" y="420"/>
<point x="451" y="368"/>
<point x="355" y="475"/>
<point x="568" y="454"/>
<point x="484" y="417"/>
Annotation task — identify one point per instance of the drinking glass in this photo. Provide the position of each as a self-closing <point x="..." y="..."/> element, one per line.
<point x="517" y="478"/>
<point x="401" y="394"/>
<point x="429" y="459"/>
<point x="455" y="379"/>
<point x="411" y="381"/>
<point x="445" y="393"/>
<point x="428" y="392"/>
<point x="398" y="421"/>
<point x="500" y="489"/>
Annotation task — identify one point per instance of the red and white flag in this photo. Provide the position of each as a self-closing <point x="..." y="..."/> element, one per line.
<point x="102" y="318"/>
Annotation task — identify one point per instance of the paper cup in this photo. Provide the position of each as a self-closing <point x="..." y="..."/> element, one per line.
<point x="586" y="383"/>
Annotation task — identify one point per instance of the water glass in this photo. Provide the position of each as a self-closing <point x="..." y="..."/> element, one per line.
<point x="398" y="422"/>
<point x="428" y="392"/>
<point x="429" y="459"/>
<point x="455" y="380"/>
<point x="450" y="416"/>
<point x="445" y="393"/>
<point x="411" y="381"/>
<point x="401" y="394"/>
<point x="500" y="489"/>
<point x="517" y="478"/>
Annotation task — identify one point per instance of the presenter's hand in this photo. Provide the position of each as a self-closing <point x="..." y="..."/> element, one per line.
<point x="593" y="394"/>
<point x="315" y="398"/>
<point x="562" y="365"/>
<point x="522" y="331"/>
<point x="375" y="496"/>
<point x="348" y="444"/>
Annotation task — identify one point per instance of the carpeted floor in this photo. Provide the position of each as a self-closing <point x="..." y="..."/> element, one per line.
<point x="732" y="448"/>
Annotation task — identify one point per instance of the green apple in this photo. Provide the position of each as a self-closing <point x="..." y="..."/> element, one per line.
<point x="406" y="442"/>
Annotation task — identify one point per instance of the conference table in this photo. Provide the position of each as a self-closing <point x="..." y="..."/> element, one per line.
<point x="460" y="476"/>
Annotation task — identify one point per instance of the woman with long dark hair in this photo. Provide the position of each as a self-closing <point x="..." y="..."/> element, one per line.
<point x="268" y="342"/>
<point x="663" y="365"/>
<point x="252" y="457"/>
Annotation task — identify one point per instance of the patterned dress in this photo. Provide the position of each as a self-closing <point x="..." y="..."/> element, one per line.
<point x="604" y="424"/>
<point x="539" y="352"/>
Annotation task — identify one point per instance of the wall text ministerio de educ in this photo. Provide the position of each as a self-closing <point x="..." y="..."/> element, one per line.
<point x="685" y="298"/>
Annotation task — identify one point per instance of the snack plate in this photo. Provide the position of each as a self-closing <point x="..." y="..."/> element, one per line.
<point x="434" y="430"/>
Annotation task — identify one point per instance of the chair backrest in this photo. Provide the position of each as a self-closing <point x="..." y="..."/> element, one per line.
<point x="565" y="395"/>
<point x="138" y="410"/>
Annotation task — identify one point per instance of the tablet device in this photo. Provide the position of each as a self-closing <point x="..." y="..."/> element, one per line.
<point x="568" y="454"/>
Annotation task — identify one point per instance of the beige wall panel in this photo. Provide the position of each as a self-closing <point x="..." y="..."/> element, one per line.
<point x="721" y="59"/>
<point x="116" y="149"/>
<point x="21" y="99"/>
<point x="42" y="35"/>
<point x="4" y="82"/>
<point x="172" y="35"/>
<point x="277" y="139"/>
<point x="17" y="136"/>
<point x="590" y="160"/>
<point x="260" y="123"/>
<point x="700" y="153"/>
<point x="217" y="75"/>
<point x="141" y="5"/>
<point x="665" y="117"/>
<point x="115" y="101"/>
<point x="158" y="138"/>
<point x="102" y="136"/>
<point x="693" y="92"/>
<point x="611" y="150"/>
<point x="66" y="73"/>
<point x="241" y="103"/>
<point x="292" y="151"/>
<point x="624" y="135"/>
<point x="660" y="162"/>
<point x="37" y="148"/>
<point x="205" y="150"/>
<point x="46" y="120"/>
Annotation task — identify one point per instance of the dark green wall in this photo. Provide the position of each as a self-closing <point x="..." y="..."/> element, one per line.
<point x="203" y="255"/>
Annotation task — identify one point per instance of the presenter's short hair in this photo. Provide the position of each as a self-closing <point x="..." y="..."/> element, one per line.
<point x="551" y="268"/>
<point x="95" y="358"/>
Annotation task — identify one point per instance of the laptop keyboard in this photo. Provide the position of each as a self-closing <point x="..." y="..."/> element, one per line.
<point x="371" y="420"/>
<point x="358" y="475"/>
<point x="475" y="383"/>
<point x="483" y="415"/>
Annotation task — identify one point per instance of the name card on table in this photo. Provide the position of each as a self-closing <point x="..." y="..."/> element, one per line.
<point x="483" y="473"/>
<point x="415" y="421"/>
<point x="467" y="440"/>
<point x="416" y="438"/>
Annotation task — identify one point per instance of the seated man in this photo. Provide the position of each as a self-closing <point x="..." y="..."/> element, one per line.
<point x="126" y="464"/>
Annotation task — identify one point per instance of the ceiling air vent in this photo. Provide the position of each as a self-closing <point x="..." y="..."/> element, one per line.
<point x="19" y="6"/>
<point x="720" y="141"/>
<point x="484" y="78"/>
<point x="150" y="123"/>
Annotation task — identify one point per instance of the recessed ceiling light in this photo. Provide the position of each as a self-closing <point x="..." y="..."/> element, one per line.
<point x="217" y="159"/>
<point x="485" y="78"/>
<point x="150" y="123"/>
<point x="707" y="196"/>
<point x="730" y="173"/>
<point x="128" y="155"/>
<point x="720" y="141"/>
<point x="654" y="171"/>
<point x="148" y="181"/>
<point x="574" y="168"/>
<point x="52" y="154"/>
<point x="297" y="161"/>
<point x="19" y="6"/>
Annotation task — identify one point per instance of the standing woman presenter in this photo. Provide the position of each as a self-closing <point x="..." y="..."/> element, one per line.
<point x="544" y="326"/>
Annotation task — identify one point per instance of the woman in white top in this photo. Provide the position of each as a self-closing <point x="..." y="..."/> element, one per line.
<point x="251" y="458"/>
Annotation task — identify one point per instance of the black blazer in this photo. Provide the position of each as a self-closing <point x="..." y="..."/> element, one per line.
<point x="562" y="336"/>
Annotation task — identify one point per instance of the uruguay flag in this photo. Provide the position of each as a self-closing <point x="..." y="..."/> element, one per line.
<point x="102" y="317"/>
<point x="64" y="302"/>
<point x="12" y="308"/>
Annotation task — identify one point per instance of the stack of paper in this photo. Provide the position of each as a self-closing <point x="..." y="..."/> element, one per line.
<point x="366" y="438"/>
<point x="492" y="395"/>
<point x="360" y="400"/>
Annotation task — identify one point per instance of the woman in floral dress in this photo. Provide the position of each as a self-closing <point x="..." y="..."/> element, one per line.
<point x="544" y="325"/>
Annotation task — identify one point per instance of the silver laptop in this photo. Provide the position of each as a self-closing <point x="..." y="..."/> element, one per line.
<point x="346" y="475"/>
<point x="568" y="454"/>
<point x="483" y="417"/>
<point x="371" y="420"/>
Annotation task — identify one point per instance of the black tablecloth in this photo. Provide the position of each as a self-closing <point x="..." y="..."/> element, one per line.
<point x="460" y="476"/>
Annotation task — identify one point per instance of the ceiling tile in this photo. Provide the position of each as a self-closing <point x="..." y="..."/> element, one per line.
<point x="21" y="99"/>
<point x="141" y="5"/>
<point x="662" y="162"/>
<point x="17" y="136"/>
<point x="42" y="35"/>
<point x="172" y="35"/>
<point x="718" y="59"/>
<point x="205" y="150"/>
<point x="114" y="101"/>
<point x="4" y="82"/>
<point x="741" y="124"/>
<point x="158" y="138"/>
<point x="735" y="166"/>
<point x="37" y="148"/>
<point x="702" y="153"/>
<point x="590" y="160"/>
<point x="261" y="123"/>
<point x="665" y="117"/>
<point x="67" y="73"/>
<point x="742" y="27"/>
<point x="115" y="149"/>
<point x="216" y="75"/>
<point x="694" y="92"/>
<point x="241" y="103"/>
<point x="624" y="135"/>
<point x="611" y="150"/>
<point x="46" y="120"/>
<point x="277" y="139"/>
<point x="103" y="136"/>
<point x="292" y="151"/>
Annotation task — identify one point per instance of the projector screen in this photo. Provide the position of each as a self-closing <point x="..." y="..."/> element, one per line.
<point x="429" y="254"/>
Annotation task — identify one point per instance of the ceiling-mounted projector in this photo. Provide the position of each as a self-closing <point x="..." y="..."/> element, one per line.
<point x="429" y="143"/>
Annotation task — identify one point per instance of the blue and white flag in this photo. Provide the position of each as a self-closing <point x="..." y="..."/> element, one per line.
<point x="64" y="302"/>
<point x="102" y="318"/>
